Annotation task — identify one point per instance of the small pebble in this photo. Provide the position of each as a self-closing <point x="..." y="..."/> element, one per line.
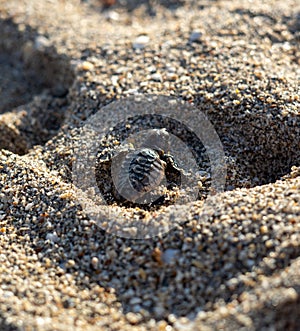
<point x="140" y="42"/>
<point x="195" y="36"/>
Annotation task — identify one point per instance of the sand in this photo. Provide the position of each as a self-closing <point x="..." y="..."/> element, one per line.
<point x="227" y="258"/>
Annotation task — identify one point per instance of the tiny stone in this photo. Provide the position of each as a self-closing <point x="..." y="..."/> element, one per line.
<point x="70" y="263"/>
<point x="41" y="43"/>
<point x="95" y="262"/>
<point x="263" y="229"/>
<point x="133" y="318"/>
<point x="156" y="77"/>
<point x="52" y="237"/>
<point x="171" y="76"/>
<point x="195" y="35"/>
<point x="112" y="15"/>
<point x="137" y="309"/>
<point x="169" y="255"/>
<point x="87" y="66"/>
<point x="140" y="42"/>
<point x="135" y="301"/>
<point x="29" y="206"/>
<point x="269" y="243"/>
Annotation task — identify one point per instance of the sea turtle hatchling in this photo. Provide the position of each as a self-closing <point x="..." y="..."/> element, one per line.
<point x="137" y="172"/>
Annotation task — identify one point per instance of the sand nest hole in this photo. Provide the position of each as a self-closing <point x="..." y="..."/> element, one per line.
<point x="34" y="84"/>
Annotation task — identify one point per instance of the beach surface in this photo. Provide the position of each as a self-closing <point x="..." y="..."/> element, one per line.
<point x="228" y="259"/>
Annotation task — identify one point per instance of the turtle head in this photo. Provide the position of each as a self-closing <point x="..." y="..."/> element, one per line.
<point x="158" y="140"/>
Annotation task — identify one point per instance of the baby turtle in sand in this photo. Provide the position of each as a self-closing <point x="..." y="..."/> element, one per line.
<point x="137" y="172"/>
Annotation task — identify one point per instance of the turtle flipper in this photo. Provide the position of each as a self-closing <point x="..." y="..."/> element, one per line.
<point x="173" y="172"/>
